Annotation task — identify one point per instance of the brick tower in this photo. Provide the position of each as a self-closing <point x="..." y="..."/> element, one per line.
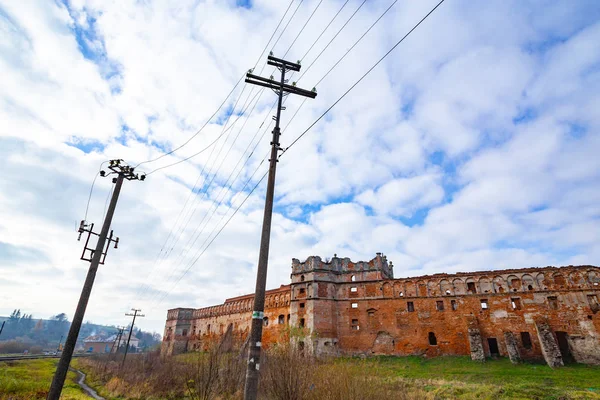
<point x="318" y="305"/>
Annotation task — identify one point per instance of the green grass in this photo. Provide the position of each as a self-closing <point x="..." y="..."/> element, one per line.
<point x="419" y="378"/>
<point x="30" y="380"/>
<point x="459" y="377"/>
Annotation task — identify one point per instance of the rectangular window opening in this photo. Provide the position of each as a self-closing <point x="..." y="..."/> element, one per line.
<point x="353" y="289"/>
<point x="515" y="303"/>
<point x="454" y="305"/>
<point x="484" y="304"/>
<point x="301" y="305"/>
<point x="354" y="305"/>
<point x="301" y="322"/>
<point x="439" y="305"/>
<point x="410" y="306"/>
<point x="553" y="302"/>
<point x="355" y="326"/>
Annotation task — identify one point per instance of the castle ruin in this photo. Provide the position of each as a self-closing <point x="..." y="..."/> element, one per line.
<point x="356" y="308"/>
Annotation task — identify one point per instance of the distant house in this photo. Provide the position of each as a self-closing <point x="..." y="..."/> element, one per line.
<point x="97" y="344"/>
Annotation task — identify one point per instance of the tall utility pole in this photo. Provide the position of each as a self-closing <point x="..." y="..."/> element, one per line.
<point x="96" y="257"/>
<point x="2" y="327"/>
<point x="134" y="315"/>
<point x="282" y="89"/>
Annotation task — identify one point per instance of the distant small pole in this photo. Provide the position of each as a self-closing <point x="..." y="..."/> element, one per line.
<point x="2" y="328"/>
<point x="134" y="315"/>
<point x="59" y="342"/>
<point x="117" y="341"/>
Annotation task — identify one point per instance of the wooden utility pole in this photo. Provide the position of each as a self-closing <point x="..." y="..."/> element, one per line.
<point x="2" y="327"/>
<point x="97" y="256"/>
<point x="282" y="89"/>
<point x="134" y="315"/>
<point x="117" y="340"/>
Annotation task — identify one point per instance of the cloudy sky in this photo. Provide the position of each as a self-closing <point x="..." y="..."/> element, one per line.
<point x="473" y="146"/>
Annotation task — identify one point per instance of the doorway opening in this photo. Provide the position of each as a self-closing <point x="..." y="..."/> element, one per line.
<point x="563" y="345"/>
<point x="493" y="345"/>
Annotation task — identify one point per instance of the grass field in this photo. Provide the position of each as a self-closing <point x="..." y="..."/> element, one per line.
<point x="30" y="380"/>
<point x="409" y="377"/>
<point x="459" y="377"/>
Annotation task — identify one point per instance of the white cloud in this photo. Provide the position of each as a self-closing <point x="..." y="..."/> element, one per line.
<point x="479" y="132"/>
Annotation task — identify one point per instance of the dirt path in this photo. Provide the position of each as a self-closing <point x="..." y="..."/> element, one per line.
<point x="88" y="390"/>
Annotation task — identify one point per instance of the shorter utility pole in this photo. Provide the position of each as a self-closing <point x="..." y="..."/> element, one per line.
<point x="2" y="328"/>
<point x="96" y="257"/>
<point x="59" y="342"/>
<point x="134" y="315"/>
<point x="117" y="339"/>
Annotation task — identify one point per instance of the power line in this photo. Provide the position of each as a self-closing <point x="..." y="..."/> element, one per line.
<point x="286" y="25"/>
<point x="213" y="178"/>
<point x="333" y="38"/>
<point x="361" y="78"/>
<point x="266" y="46"/>
<point x="189" y="216"/>
<point x="323" y="31"/>
<point x="272" y="35"/>
<point x="203" y="150"/>
<point x="157" y="261"/>
<point x="198" y="131"/>
<point x="304" y="26"/>
<point x="213" y="239"/>
<point x="355" y="43"/>
<point x="228" y="95"/>
<point x="92" y="189"/>
<point x="183" y="227"/>
<point x="291" y="45"/>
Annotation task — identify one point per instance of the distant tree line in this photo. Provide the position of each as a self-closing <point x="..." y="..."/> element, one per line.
<point x="25" y="329"/>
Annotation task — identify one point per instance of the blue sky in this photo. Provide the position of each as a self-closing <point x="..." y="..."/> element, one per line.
<point x="473" y="146"/>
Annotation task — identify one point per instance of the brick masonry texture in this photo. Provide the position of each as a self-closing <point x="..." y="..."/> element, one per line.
<point x="358" y="308"/>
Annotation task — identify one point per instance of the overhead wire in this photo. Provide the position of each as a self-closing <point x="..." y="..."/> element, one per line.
<point x="355" y="43"/>
<point x="302" y="29"/>
<point x="164" y="246"/>
<point x="271" y="38"/>
<point x="266" y="46"/>
<point x="195" y="154"/>
<point x="224" y="101"/>
<point x="87" y="207"/>
<point x="183" y="252"/>
<point x="323" y="31"/>
<point x="361" y="78"/>
<point x="329" y="24"/>
<point x="182" y="228"/>
<point x="215" y="237"/>
<point x="199" y="130"/>
<point x="333" y="38"/>
<point x="321" y="34"/>
<point x="258" y="60"/>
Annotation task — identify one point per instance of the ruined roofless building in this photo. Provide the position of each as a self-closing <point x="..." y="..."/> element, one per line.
<point x="348" y="308"/>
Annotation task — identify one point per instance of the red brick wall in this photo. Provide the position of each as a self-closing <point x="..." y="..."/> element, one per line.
<point x="322" y="294"/>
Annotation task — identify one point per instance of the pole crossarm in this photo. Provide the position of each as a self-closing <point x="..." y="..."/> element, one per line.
<point x="272" y="84"/>
<point x="280" y="63"/>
